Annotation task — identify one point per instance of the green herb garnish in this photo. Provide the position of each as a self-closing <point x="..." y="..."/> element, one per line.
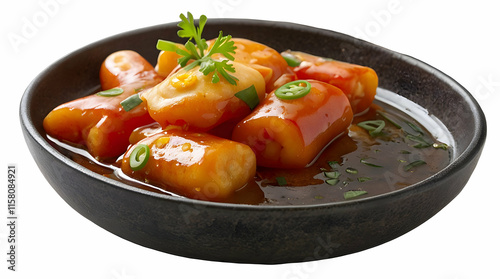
<point x="351" y="170"/>
<point x="389" y="119"/>
<point x="414" y="164"/>
<point x="293" y="90"/>
<point x="364" y="178"/>
<point x="281" y="181"/>
<point x="131" y="102"/>
<point x="415" y="128"/>
<point x="333" y="164"/>
<point x="332" y="181"/>
<point x="443" y="146"/>
<point x="199" y="52"/>
<point x="249" y="96"/>
<point x="365" y="162"/>
<point x="291" y="60"/>
<point x="353" y="194"/>
<point x="374" y="127"/>
<point x="332" y="174"/>
<point x="139" y="157"/>
<point x="110" y="92"/>
<point x="420" y="141"/>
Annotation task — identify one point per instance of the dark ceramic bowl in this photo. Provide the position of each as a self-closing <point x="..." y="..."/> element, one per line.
<point x="248" y="233"/>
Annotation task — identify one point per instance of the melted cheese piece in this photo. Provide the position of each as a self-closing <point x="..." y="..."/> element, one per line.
<point x="190" y="97"/>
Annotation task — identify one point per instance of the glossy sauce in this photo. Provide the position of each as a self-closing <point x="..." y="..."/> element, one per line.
<point x="355" y="161"/>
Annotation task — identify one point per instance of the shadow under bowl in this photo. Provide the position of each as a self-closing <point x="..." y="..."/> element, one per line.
<point x="250" y="233"/>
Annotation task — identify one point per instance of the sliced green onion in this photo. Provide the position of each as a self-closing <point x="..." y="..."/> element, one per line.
<point x="131" y="102"/>
<point x="421" y="142"/>
<point x="166" y="45"/>
<point x="363" y="161"/>
<point x="364" y="178"/>
<point x="291" y="60"/>
<point x="110" y="92"/>
<point x="281" y="181"/>
<point x="332" y="181"/>
<point x="332" y="174"/>
<point x="333" y="164"/>
<point x="414" y="164"/>
<point x="351" y="170"/>
<point x="353" y="194"/>
<point x="249" y="96"/>
<point x="389" y="119"/>
<point x="415" y="128"/>
<point x="293" y="90"/>
<point x="443" y="146"/>
<point x="139" y="157"/>
<point x="374" y="127"/>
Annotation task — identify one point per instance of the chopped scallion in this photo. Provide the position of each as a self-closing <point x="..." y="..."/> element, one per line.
<point x="332" y="174"/>
<point x="332" y="181"/>
<point x="363" y="179"/>
<point x="110" y="92"/>
<point x="166" y="46"/>
<point x="415" y="128"/>
<point x="389" y="119"/>
<point x="333" y="164"/>
<point x="131" y="102"/>
<point x="420" y="141"/>
<point x="281" y="181"/>
<point x="414" y="164"/>
<point x="353" y="194"/>
<point x="139" y="157"/>
<point x="249" y="96"/>
<point x="291" y="59"/>
<point x="364" y="161"/>
<point x="351" y="170"/>
<point x="374" y="127"/>
<point x="443" y="146"/>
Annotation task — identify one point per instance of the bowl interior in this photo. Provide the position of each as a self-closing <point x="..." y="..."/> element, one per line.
<point x="225" y="230"/>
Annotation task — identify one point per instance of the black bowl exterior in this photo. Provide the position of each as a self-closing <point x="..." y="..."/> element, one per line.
<point x="247" y="233"/>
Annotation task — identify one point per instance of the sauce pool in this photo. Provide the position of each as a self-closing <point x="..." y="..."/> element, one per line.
<point x="353" y="166"/>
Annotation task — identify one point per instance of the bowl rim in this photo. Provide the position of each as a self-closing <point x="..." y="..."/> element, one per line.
<point x="457" y="163"/>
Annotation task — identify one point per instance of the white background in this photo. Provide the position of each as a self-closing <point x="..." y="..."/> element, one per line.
<point x="461" y="241"/>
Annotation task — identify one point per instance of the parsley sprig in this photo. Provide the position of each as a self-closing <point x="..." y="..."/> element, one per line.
<point x="199" y="52"/>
